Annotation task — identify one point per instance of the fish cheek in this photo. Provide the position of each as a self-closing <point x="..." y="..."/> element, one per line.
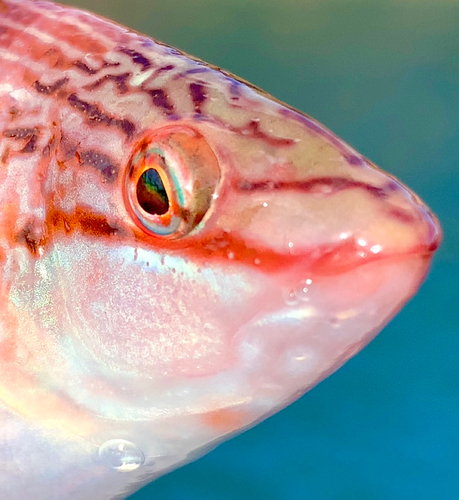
<point x="152" y="315"/>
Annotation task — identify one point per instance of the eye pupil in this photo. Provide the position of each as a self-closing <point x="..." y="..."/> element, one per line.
<point x="151" y="193"/>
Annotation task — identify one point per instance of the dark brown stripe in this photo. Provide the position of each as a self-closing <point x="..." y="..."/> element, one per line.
<point x="28" y="134"/>
<point x="84" y="67"/>
<point x="96" y="115"/>
<point x="169" y="67"/>
<point x="49" y="89"/>
<point x="137" y="57"/>
<point x="119" y="80"/>
<point x="253" y="130"/>
<point x="321" y="185"/>
<point x="198" y="95"/>
<point x="100" y="161"/>
<point x="91" y="71"/>
<point x="161" y="100"/>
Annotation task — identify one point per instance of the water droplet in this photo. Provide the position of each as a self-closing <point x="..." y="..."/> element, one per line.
<point x="303" y="290"/>
<point x="121" y="455"/>
<point x="230" y="255"/>
<point x="291" y="298"/>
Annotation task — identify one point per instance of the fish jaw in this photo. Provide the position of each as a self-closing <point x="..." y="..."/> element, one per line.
<point x="325" y="321"/>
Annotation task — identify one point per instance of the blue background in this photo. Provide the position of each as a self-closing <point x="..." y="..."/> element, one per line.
<point x="383" y="75"/>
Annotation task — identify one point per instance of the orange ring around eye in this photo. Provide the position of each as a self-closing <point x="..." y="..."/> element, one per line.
<point x="171" y="166"/>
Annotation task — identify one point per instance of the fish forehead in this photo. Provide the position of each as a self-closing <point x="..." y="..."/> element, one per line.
<point x="124" y="352"/>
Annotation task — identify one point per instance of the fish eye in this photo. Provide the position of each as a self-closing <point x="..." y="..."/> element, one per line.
<point x="169" y="186"/>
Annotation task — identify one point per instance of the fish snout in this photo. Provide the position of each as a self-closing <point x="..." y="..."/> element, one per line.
<point x="359" y="249"/>
<point x="332" y="223"/>
<point x="378" y="223"/>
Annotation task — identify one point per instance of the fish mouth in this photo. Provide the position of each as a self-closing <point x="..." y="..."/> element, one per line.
<point x="420" y="235"/>
<point x="356" y="252"/>
<point x="323" y="320"/>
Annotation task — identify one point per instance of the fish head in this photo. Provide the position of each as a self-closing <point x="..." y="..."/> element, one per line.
<point x="231" y="260"/>
<point x="192" y="255"/>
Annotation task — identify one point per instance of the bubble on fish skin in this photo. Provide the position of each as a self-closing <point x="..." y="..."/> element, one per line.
<point x="290" y="297"/>
<point x="121" y="455"/>
<point x="301" y="292"/>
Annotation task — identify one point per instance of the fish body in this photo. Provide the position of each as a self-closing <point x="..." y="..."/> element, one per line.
<point x="181" y="255"/>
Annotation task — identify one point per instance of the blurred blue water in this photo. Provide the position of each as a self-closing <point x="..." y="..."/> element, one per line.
<point x="384" y="75"/>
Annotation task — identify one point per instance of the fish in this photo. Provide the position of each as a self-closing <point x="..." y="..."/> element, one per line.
<point x="181" y="254"/>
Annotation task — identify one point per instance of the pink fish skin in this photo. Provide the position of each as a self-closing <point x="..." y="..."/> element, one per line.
<point x="181" y="255"/>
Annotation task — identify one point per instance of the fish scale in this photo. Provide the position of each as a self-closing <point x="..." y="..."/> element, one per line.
<point x="181" y="254"/>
